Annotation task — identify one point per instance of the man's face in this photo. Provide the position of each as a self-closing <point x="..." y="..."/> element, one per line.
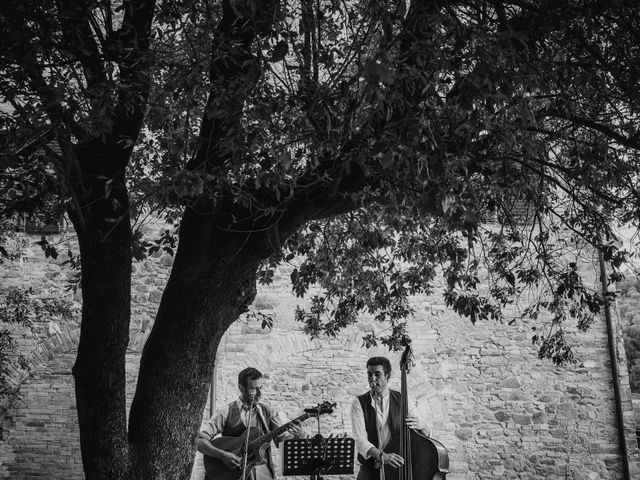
<point x="377" y="379"/>
<point x="252" y="385"/>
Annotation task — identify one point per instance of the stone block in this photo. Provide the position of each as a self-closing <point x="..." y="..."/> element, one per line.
<point x="464" y="434"/>
<point x="540" y="417"/>
<point x="155" y="296"/>
<point x="521" y="419"/>
<point x="166" y="260"/>
<point x="502" y="416"/>
<point x="510" y="382"/>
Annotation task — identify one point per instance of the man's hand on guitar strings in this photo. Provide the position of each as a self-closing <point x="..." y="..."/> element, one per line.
<point x="231" y="461"/>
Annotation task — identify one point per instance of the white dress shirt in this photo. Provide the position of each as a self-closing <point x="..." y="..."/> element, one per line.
<point x="359" y="431"/>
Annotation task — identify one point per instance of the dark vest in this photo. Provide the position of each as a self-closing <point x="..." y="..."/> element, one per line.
<point x="234" y="427"/>
<point x="367" y="466"/>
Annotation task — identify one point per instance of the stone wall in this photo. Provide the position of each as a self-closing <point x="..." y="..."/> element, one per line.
<point x="500" y="411"/>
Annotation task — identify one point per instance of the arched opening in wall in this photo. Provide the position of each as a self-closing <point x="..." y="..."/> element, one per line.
<point x="45" y="439"/>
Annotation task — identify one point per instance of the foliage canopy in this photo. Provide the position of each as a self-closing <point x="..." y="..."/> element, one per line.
<point x="389" y="143"/>
<point x="494" y="110"/>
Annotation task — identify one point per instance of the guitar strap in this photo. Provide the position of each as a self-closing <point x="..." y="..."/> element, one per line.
<point x="265" y="425"/>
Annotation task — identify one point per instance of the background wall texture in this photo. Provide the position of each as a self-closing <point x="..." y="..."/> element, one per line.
<point x="500" y="411"/>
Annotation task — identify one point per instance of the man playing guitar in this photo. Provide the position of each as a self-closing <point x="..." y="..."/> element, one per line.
<point x="232" y="421"/>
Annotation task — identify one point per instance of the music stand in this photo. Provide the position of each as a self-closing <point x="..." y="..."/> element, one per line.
<point x="316" y="456"/>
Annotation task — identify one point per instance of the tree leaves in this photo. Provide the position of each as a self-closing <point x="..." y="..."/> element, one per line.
<point x="279" y="51"/>
<point x="48" y="249"/>
<point x="377" y="72"/>
<point x="462" y="139"/>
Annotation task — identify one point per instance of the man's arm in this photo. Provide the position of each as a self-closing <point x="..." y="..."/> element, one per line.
<point x="359" y="432"/>
<point x="363" y="445"/>
<point x="210" y="429"/>
<point x="204" y="446"/>
<point x="277" y="419"/>
<point x="416" y="422"/>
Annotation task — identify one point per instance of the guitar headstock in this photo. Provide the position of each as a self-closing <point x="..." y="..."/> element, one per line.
<point x="406" y="360"/>
<point x="321" y="409"/>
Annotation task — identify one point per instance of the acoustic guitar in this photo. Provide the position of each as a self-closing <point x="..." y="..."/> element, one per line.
<point x="256" y="446"/>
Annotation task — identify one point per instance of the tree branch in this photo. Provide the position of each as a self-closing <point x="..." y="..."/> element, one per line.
<point x="629" y="142"/>
<point x="75" y="20"/>
<point x="234" y="71"/>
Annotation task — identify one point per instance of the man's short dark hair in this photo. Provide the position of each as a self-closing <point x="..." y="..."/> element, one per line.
<point x="248" y="373"/>
<point x="384" y="361"/>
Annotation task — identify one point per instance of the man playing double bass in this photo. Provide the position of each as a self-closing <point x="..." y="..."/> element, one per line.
<point x="376" y="424"/>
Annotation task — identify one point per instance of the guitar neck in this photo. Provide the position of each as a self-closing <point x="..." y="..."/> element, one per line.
<point x="267" y="437"/>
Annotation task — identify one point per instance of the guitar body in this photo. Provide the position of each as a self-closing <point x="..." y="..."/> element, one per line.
<point x="216" y="470"/>
<point x="258" y="444"/>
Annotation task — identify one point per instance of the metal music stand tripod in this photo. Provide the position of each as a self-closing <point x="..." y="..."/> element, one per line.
<point x="318" y="456"/>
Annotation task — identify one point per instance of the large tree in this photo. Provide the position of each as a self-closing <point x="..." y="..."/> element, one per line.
<point x="376" y="138"/>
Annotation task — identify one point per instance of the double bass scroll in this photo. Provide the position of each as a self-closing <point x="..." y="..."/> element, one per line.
<point x="424" y="458"/>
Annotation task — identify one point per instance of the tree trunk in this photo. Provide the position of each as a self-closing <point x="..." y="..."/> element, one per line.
<point x="214" y="273"/>
<point x="212" y="282"/>
<point x="104" y="236"/>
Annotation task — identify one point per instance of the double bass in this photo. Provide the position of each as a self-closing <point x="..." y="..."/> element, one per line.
<point x="424" y="458"/>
